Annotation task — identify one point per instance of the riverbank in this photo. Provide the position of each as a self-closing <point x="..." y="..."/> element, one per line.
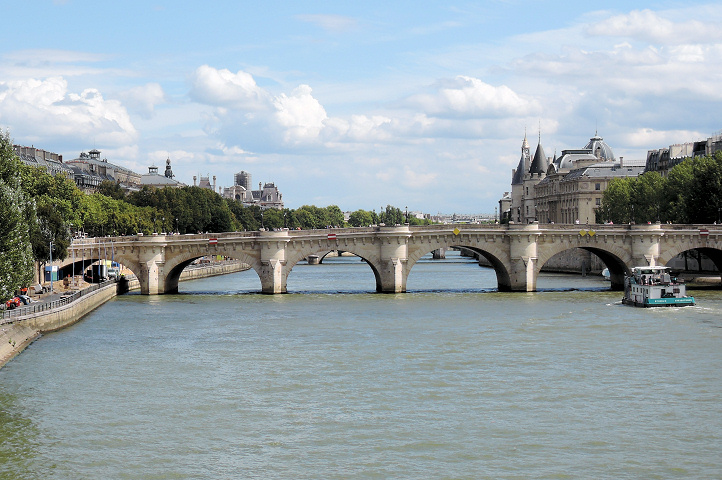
<point x="18" y="332"/>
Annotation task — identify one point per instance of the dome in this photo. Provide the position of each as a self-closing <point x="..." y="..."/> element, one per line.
<point x="600" y="149"/>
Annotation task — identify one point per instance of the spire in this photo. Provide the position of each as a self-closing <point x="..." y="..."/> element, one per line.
<point x="539" y="164"/>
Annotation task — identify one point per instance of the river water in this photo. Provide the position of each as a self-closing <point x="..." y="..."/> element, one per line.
<point x="452" y="380"/>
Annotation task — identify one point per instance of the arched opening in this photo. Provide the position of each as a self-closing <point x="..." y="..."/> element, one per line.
<point x="463" y="268"/>
<point x="337" y="271"/>
<point x="699" y="267"/>
<point x="582" y="268"/>
<point x="232" y="282"/>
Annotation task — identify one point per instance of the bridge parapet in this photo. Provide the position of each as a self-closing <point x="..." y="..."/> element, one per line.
<point x="517" y="251"/>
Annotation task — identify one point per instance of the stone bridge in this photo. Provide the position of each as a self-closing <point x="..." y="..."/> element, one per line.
<point x="516" y="252"/>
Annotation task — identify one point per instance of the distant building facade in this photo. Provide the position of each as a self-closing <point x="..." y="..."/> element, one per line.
<point x="564" y="189"/>
<point x="664" y="159"/>
<point x="36" y="157"/>
<point x="89" y="171"/>
<point x="154" y="179"/>
<point x="267" y="195"/>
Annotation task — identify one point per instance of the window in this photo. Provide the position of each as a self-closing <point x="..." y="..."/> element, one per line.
<point x="597" y="186"/>
<point x="599" y="201"/>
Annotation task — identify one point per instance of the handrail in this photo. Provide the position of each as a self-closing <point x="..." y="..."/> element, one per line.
<point x="9" y="316"/>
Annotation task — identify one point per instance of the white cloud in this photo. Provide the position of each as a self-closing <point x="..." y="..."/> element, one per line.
<point x="415" y="179"/>
<point x="143" y="99"/>
<point x="643" y="137"/>
<point x="470" y="97"/>
<point x="37" y="108"/>
<point x="223" y="88"/>
<point x="649" y="26"/>
<point x="301" y="115"/>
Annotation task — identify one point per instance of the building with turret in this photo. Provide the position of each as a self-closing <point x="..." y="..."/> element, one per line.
<point x="564" y="189"/>
<point x="89" y="170"/>
<point x="155" y="179"/>
<point x="267" y="195"/>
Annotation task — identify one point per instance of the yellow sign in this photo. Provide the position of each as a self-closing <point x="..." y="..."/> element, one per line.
<point x="457" y="231"/>
<point x="592" y="233"/>
<point x="582" y="232"/>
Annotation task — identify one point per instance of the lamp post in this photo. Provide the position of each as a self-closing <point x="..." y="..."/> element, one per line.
<point x="51" y="267"/>
<point x="407" y="214"/>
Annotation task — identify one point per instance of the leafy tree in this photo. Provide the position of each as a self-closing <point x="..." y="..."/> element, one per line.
<point x="676" y="192"/>
<point x="111" y="189"/>
<point x="704" y="198"/>
<point x="616" y="202"/>
<point x="646" y="197"/>
<point x="361" y="218"/>
<point x="392" y="216"/>
<point x="16" y="215"/>
<point x="272" y="218"/>
<point x="335" y="216"/>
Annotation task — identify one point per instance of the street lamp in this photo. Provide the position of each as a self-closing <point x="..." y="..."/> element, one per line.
<point x="51" y="267"/>
<point x="407" y="215"/>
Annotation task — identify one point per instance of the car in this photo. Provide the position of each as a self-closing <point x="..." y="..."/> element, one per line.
<point x="13" y="303"/>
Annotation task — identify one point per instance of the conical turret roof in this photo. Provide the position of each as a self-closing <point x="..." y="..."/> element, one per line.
<point x="539" y="164"/>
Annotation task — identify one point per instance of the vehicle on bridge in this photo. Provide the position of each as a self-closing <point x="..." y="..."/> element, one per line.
<point x="654" y="287"/>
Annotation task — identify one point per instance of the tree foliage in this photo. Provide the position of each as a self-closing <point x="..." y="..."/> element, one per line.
<point x="17" y="215"/>
<point x="690" y="193"/>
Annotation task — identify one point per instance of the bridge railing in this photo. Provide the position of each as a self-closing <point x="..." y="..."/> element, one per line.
<point x="10" y="316"/>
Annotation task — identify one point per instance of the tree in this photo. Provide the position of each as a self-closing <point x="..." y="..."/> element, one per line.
<point x="111" y="189"/>
<point x="617" y="202"/>
<point x="16" y="215"/>
<point x="646" y="197"/>
<point x="335" y="216"/>
<point x="360" y="218"/>
<point x="704" y="199"/>
<point x="676" y="192"/>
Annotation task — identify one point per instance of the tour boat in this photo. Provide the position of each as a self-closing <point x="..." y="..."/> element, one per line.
<point x="654" y="287"/>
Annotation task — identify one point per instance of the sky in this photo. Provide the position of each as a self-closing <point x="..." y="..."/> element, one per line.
<point x="421" y="104"/>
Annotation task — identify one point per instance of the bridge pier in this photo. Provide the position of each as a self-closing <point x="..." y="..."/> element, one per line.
<point x="273" y="262"/>
<point x="393" y="258"/>
<point x="523" y="257"/>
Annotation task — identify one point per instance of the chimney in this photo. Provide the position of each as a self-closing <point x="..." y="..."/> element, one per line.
<point x="621" y="161"/>
<point x="214" y="183"/>
<point x="194" y="180"/>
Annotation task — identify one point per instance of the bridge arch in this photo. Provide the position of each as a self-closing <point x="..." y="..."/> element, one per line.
<point x="489" y="250"/>
<point x="175" y="265"/>
<point x="713" y="253"/>
<point x="324" y="247"/>
<point x="616" y="259"/>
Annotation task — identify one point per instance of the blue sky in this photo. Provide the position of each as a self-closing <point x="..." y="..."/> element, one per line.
<point x="359" y="104"/>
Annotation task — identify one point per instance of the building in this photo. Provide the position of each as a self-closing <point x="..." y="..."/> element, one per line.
<point x="243" y="179"/>
<point x="664" y="159"/>
<point x="527" y="174"/>
<point x="564" y="189"/>
<point x="154" y="179"/>
<point x="267" y="195"/>
<point x="36" y="157"/>
<point x="89" y="171"/>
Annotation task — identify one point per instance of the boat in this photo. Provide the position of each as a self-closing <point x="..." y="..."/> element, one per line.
<point x="654" y="287"/>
